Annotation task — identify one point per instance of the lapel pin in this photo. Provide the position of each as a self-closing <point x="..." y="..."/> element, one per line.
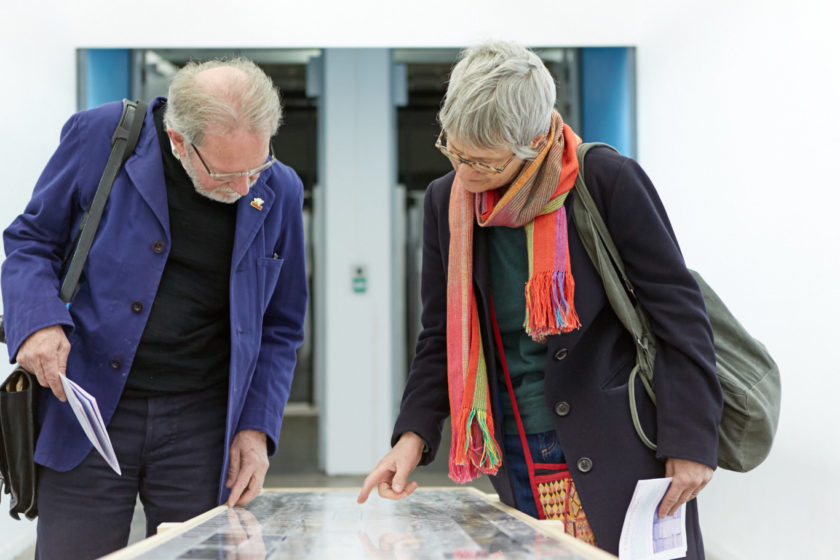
<point x="257" y="203"/>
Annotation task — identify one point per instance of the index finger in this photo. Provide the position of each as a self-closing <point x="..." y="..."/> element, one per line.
<point x="237" y="488"/>
<point x="379" y="474"/>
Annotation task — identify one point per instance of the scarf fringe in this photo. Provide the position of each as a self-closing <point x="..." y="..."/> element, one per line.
<point x="476" y="453"/>
<point x="547" y="304"/>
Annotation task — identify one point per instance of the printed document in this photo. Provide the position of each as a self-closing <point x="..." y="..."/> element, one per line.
<point x="644" y="535"/>
<point x="87" y="413"/>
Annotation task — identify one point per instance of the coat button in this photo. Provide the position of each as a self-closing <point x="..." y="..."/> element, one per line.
<point x="137" y="307"/>
<point x="561" y="354"/>
<point x="584" y="464"/>
<point x="116" y="364"/>
<point x="561" y="408"/>
<point x="158" y="247"/>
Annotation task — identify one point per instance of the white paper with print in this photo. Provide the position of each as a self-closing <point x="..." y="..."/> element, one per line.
<point x="644" y="536"/>
<point x="87" y="413"/>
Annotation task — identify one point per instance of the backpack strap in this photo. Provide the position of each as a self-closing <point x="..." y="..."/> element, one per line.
<point x="602" y="251"/>
<point x="123" y="142"/>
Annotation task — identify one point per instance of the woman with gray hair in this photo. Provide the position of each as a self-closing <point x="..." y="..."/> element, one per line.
<point x="519" y="344"/>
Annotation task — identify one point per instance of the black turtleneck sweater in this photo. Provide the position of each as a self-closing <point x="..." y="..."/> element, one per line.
<point x="186" y="343"/>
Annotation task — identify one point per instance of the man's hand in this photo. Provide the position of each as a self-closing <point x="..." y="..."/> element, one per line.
<point x="689" y="478"/>
<point x="45" y="353"/>
<point x="391" y="474"/>
<point x="248" y="465"/>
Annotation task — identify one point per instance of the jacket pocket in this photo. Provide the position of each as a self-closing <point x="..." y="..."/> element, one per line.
<point x="619" y="377"/>
<point x="268" y="271"/>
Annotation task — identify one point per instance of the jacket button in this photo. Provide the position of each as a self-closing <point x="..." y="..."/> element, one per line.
<point x="158" y="247"/>
<point x="561" y="408"/>
<point x="137" y="307"/>
<point x="116" y="364"/>
<point x="561" y="354"/>
<point x="584" y="464"/>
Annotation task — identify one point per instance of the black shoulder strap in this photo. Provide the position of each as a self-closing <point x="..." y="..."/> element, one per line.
<point x="122" y="146"/>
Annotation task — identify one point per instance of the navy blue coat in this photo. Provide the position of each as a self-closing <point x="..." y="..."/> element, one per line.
<point x="588" y="369"/>
<point x="267" y="282"/>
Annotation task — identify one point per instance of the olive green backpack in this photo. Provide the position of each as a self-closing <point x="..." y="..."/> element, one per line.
<point x="748" y="375"/>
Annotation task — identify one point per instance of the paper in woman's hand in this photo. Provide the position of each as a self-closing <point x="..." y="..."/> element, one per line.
<point x="644" y="535"/>
<point x="87" y="413"/>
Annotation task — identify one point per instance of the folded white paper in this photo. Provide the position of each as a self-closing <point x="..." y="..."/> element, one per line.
<point x="644" y="535"/>
<point x="87" y="413"/>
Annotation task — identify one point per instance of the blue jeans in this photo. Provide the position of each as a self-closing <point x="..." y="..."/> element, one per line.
<point x="170" y="450"/>
<point x="544" y="449"/>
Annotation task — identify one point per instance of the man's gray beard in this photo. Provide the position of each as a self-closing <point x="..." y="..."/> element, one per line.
<point x="216" y="195"/>
<point x="212" y="195"/>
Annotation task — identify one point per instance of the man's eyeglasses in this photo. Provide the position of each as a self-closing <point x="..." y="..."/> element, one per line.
<point x="440" y="144"/>
<point x="225" y="177"/>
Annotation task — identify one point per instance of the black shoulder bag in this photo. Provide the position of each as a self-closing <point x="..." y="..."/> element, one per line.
<point x="19" y="391"/>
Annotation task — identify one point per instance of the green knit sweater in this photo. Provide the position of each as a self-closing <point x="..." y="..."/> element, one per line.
<point x="525" y="358"/>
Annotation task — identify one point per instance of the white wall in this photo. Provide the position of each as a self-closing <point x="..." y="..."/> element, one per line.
<point x="738" y="127"/>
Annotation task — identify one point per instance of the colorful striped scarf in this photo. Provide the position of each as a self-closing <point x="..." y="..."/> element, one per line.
<point x="534" y="200"/>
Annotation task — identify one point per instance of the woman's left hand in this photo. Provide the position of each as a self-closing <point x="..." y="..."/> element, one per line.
<point x="689" y="478"/>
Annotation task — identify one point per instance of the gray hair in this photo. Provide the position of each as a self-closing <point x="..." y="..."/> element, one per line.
<point x="245" y="98"/>
<point x="499" y="94"/>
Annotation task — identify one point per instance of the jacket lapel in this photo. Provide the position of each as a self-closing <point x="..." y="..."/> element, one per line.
<point x="250" y="214"/>
<point x="145" y="169"/>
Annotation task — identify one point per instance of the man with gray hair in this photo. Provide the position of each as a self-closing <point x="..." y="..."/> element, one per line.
<point x="187" y="320"/>
<point x="520" y="346"/>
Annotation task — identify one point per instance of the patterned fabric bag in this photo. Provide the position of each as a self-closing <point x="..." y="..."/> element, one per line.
<point x="557" y="499"/>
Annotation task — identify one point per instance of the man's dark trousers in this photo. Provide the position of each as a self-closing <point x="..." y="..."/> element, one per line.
<point x="170" y="452"/>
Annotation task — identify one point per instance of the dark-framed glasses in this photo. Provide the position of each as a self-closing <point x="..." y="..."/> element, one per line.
<point x="440" y="144"/>
<point x="225" y="177"/>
